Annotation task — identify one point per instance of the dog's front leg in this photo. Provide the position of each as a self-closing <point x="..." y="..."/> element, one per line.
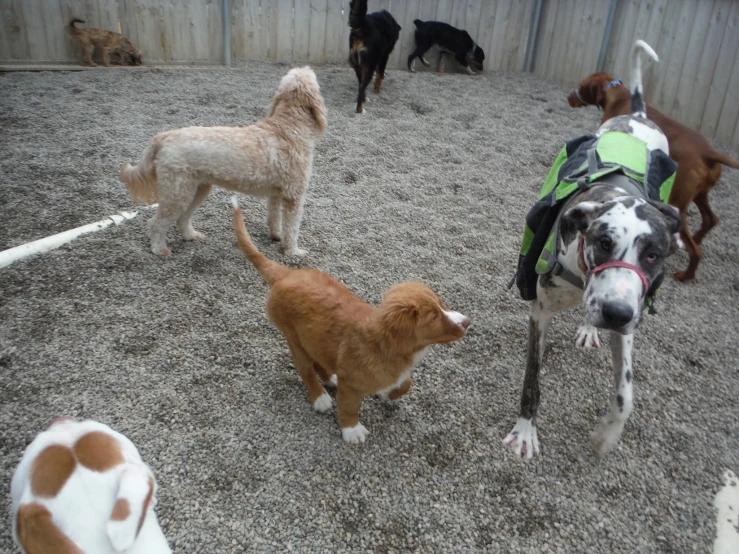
<point x="274" y="217"/>
<point x="522" y="439"/>
<point x="606" y="435"/>
<point x="348" y="402"/>
<point x="292" y="214"/>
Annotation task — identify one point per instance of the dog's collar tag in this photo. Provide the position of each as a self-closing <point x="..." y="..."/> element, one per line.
<point x="614" y="83"/>
<point x="608" y="265"/>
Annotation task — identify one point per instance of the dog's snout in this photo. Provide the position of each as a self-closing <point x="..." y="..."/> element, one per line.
<point x="60" y="419"/>
<point x="459" y="319"/>
<point x="617" y="314"/>
<point x="466" y="322"/>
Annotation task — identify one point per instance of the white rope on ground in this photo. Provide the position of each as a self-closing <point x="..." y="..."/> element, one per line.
<point x="46" y="244"/>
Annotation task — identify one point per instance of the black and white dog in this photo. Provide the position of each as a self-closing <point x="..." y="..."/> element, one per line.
<point x="451" y="40"/>
<point x="617" y="245"/>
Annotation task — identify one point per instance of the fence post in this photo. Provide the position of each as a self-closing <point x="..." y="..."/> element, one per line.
<point x="226" y="4"/>
<point x="606" y="36"/>
<point x="533" y="34"/>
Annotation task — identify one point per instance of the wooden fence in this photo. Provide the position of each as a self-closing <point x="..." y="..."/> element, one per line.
<point x="696" y="81"/>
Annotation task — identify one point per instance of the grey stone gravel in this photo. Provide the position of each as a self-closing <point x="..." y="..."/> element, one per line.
<point x="432" y="183"/>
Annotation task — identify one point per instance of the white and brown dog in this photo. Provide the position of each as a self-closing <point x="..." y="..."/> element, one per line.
<point x="611" y="249"/>
<point x="82" y="488"/>
<point x="273" y="158"/>
<point x="337" y="337"/>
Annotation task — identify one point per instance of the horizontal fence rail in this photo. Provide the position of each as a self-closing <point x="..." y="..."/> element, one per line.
<point x="696" y="81"/>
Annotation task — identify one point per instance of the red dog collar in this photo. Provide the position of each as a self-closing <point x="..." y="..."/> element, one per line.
<point x="602" y="267"/>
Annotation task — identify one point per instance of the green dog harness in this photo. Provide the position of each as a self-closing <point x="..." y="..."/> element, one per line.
<point x="622" y="160"/>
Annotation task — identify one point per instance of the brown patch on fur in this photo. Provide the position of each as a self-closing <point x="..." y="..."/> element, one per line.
<point x="328" y="327"/>
<point x="147" y="504"/>
<point x="121" y="510"/>
<point x="698" y="163"/>
<point x="378" y="83"/>
<point x="51" y="470"/>
<point x="98" y="451"/>
<point x="107" y="41"/>
<point x="39" y="535"/>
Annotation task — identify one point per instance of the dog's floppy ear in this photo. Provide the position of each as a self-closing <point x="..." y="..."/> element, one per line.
<point x="399" y="320"/>
<point x="579" y="218"/>
<point x="673" y="221"/>
<point x="316" y="106"/>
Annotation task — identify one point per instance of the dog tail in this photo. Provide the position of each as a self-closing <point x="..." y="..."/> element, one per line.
<point x="141" y="179"/>
<point x="75" y="20"/>
<point x="638" y="106"/>
<point x="271" y="271"/>
<point x="718" y="157"/>
<point x="357" y="14"/>
<point x="417" y="22"/>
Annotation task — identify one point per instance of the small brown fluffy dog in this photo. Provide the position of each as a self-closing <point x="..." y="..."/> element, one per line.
<point x="333" y="334"/>
<point x="272" y="158"/>
<point x="108" y="41"/>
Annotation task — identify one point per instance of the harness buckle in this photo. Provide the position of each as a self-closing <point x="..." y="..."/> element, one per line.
<point x="557" y="269"/>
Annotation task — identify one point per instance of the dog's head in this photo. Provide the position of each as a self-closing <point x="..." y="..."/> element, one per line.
<point x="591" y="91"/>
<point x="299" y="96"/>
<point x="624" y="231"/>
<point x="413" y="317"/>
<point x="135" y="56"/>
<point x="477" y="57"/>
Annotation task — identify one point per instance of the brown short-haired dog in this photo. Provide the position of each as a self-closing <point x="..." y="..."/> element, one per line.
<point x="334" y="335"/>
<point x="108" y="41"/>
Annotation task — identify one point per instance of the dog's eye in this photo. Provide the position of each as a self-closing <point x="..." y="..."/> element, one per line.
<point x="652" y="257"/>
<point x="606" y="244"/>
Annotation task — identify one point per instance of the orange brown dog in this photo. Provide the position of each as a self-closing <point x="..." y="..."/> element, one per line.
<point x="359" y="348"/>
<point x="698" y="163"/>
<point x="107" y="41"/>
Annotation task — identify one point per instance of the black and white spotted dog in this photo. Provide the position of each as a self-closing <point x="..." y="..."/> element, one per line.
<point x="616" y="244"/>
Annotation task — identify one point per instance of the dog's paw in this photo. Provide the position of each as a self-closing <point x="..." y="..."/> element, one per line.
<point x="523" y="440"/>
<point x="193" y="235"/>
<point x="164" y="252"/>
<point x="354" y="435"/>
<point x="424" y="62"/>
<point x="275" y="236"/>
<point x="587" y="337"/>
<point x="606" y="435"/>
<point x="323" y="404"/>
<point x="300" y="252"/>
<point x="683" y="277"/>
<point x="333" y="381"/>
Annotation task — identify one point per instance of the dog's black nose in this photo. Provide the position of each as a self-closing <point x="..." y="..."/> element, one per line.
<point x="616" y="314"/>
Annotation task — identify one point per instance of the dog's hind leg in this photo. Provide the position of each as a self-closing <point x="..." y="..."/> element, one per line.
<point x="158" y="228"/>
<point x="319" y="398"/>
<point x="708" y="218"/>
<point x="522" y="439"/>
<point x="380" y="73"/>
<point x="184" y="223"/>
<point x="106" y="56"/>
<point x="274" y="216"/>
<point x="606" y="435"/>
<point x="694" y="251"/>
<point x="292" y="213"/>
<point x="88" y="49"/>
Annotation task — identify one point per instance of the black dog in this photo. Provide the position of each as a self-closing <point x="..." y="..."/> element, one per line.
<point x="450" y="39"/>
<point x="371" y="41"/>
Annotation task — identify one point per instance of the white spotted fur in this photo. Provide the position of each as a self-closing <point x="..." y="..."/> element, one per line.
<point x="83" y="507"/>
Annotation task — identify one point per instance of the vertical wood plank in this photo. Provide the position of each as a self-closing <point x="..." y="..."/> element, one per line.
<point x="617" y="59"/>
<point x="730" y="109"/>
<point x="696" y="39"/>
<point x="284" y="13"/>
<point x="215" y="31"/>
<point x="497" y="46"/>
<point x="337" y="31"/>
<point x="317" y="39"/>
<point x="301" y="30"/>
<point x="543" y="52"/>
<point x="707" y="64"/>
<point x="670" y="67"/>
<point x="652" y="36"/>
<point x="483" y="36"/>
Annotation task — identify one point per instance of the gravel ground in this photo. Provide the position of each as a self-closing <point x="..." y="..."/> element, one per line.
<point x="433" y="183"/>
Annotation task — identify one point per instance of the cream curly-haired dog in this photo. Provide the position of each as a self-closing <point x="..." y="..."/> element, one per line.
<point x="273" y="158"/>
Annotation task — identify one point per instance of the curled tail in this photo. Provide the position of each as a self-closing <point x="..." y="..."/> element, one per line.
<point x="638" y="106"/>
<point x="271" y="271"/>
<point x="357" y="14"/>
<point x="417" y="22"/>
<point x="141" y="179"/>
<point x="75" y="20"/>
